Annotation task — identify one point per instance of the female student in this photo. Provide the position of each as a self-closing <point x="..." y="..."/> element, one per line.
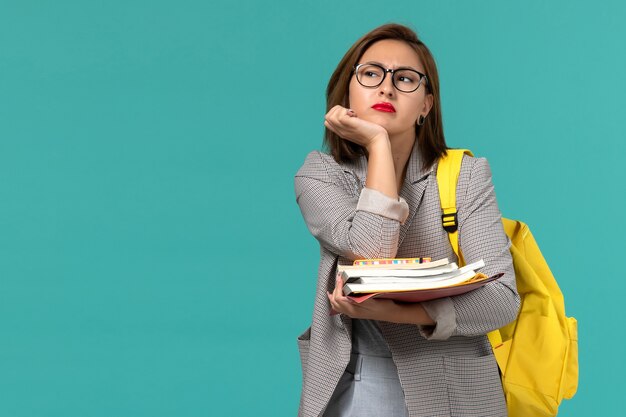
<point x="375" y="195"/>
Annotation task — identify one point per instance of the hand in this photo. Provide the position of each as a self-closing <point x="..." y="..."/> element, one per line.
<point x="377" y="309"/>
<point x="372" y="309"/>
<point x="345" y="123"/>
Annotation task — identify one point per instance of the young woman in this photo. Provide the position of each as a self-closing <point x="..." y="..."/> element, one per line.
<point x="375" y="196"/>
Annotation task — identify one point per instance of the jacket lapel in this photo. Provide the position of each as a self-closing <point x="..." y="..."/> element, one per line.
<point x="413" y="188"/>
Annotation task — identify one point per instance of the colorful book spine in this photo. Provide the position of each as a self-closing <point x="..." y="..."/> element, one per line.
<point x="391" y="261"/>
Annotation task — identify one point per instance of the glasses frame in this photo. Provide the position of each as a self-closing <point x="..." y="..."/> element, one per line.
<point x="393" y="80"/>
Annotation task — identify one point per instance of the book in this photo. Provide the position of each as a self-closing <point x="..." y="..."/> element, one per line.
<point x="399" y="283"/>
<point x="420" y="281"/>
<point x="348" y="274"/>
<point x="402" y="284"/>
<point x="390" y="263"/>
<point x="429" y="294"/>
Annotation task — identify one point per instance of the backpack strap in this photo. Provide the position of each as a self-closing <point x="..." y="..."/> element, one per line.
<point x="448" y="171"/>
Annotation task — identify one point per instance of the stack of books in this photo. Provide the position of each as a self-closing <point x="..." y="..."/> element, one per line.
<point x="410" y="279"/>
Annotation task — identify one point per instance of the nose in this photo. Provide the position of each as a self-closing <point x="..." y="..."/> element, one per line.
<point x="386" y="88"/>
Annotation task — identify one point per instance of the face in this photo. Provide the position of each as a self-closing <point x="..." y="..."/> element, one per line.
<point x="372" y="104"/>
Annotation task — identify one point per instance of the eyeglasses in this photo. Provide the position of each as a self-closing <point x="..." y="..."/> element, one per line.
<point x="404" y="79"/>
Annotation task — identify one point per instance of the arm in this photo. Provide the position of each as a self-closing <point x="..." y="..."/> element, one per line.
<point x="367" y="227"/>
<point x="348" y="222"/>
<point x="363" y="226"/>
<point x="481" y="236"/>
<point x="381" y="174"/>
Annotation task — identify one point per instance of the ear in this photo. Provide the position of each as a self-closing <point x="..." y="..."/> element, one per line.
<point x="428" y="104"/>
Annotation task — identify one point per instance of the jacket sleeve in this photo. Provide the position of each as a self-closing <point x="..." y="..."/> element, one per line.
<point x="347" y="219"/>
<point x="481" y="236"/>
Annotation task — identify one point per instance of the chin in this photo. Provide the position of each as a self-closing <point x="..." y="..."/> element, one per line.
<point x="381" y="119"/>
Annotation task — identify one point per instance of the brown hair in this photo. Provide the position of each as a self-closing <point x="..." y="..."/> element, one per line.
<point x="429" y="136"/>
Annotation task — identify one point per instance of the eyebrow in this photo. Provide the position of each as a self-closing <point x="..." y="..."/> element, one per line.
<point x="400" y="67"/>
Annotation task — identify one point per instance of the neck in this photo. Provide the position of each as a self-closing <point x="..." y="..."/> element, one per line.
<point x="401" y="148"/>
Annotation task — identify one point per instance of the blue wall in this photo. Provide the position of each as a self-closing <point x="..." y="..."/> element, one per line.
<point x="153" y="261"/>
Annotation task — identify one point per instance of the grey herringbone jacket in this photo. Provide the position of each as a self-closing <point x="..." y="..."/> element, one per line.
<point x="447" y="369"/>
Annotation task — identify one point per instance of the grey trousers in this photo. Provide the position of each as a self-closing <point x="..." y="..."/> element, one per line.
<point x="369" y="387"/>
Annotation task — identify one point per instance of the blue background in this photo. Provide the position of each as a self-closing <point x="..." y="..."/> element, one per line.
<point x="153" y="261"/>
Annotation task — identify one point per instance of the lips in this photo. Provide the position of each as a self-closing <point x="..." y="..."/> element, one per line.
<point x="384" y="107"/>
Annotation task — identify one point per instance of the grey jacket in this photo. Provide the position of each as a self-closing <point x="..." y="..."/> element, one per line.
<point x="447" y="369"/>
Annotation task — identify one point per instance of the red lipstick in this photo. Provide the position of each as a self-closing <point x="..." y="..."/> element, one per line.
<point x="383" y="106"/>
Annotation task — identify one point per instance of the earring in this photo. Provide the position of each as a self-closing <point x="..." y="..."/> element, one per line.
<point x="420" y="120"/>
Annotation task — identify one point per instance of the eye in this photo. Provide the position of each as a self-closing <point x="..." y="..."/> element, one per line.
<point x="370" y="71"/>
<point x="407" y="77"/>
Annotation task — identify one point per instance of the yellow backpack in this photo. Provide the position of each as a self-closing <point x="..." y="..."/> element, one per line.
<point x="538" y="352"/>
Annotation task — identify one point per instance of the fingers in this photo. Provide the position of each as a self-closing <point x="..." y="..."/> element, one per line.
<point x="337" y="117"/>
<point x="338" y="111"/>
<point x="347" y="125"/>
<point x="369" y="309"/>
<point x="341" y="303"/>
<point x="338" y="291"/>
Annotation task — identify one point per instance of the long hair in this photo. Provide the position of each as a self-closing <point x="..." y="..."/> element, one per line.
<point x="429" y="136"/>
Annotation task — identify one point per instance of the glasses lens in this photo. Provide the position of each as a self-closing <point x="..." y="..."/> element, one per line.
<point x="406" y="80"/>
<point x="370" y="75"/>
